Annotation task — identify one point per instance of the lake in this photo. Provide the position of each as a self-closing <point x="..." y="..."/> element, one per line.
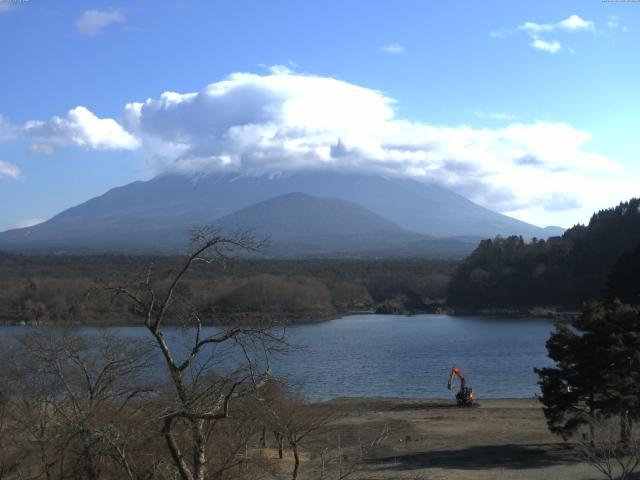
<point x="405" y="356"/>
<point x="411" y="356"/>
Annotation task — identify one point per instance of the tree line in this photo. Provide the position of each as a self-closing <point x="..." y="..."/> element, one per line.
<point x="560" y="271"/>
<point x="591" y="394"/>
<point x="51" y="289"/>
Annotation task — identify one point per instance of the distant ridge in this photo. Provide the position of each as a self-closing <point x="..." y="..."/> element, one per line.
<point x="154" y="215"/>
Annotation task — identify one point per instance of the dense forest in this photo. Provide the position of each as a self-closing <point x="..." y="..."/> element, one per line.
<point x="58" y="289"/>
<point x="595" y="261"/>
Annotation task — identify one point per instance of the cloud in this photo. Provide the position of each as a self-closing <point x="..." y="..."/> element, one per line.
<point x="28" y="222"/>
<point x="45" y="149"/>
<point x="8" y="170"/>
<point x="559" y="202"/>
<point x="8" y="131"/>
<point x="572" y="23"/>
<point x="538" y="31"/>
<point x="6" y="6"/>
<point x="494" y="115"/>
<point x="284" y="122"/>
<point x="502" y="33"/>
<point x="613" y="23"/>
<point x="575" y="23"/>
<point x="536" y="28"/>
<point x="529" y="160"/>
<point x="93" y="22"/>
<point x="79" y="127"/>
<point x="392" y="49"/>
<point x="279" y="69"/>
<point x="550" y="47"/>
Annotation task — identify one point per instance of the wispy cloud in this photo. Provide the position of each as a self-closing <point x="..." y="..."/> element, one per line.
<point x="8" y="131"/>
<point x="45" y="149"/>
<point x="8" y="170"/>
<point x="28" y="222"/>
<point x="392" y="49"/>
<point x="6" y="6"/>
<point x="540" y="32"/>
<point x="571" y="24"/>
<point x="613" y="23"/>
<point x="93" y="22"/>
<point x="502" y="33"/>
<point x="528" y="160"/>
<point x="494" y="115"/>
<point x="545" y="46"/>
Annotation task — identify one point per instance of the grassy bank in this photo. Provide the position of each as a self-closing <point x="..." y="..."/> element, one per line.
<point x="433" y="439"/>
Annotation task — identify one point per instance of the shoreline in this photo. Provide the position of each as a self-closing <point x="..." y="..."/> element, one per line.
<point x="382" y="398"/>
<point x="288" y="319"/>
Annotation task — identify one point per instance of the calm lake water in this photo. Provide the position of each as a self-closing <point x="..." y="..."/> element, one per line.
<point x="405" y="356"/>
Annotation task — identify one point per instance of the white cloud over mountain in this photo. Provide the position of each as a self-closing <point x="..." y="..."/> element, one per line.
<point x="28" y="222"/>
<point x="283" y="122"/>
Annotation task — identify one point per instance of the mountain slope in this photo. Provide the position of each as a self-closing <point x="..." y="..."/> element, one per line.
<point x="300" y="215"/>
<point x="143" y="214"/>
<point x="300" y="225"/>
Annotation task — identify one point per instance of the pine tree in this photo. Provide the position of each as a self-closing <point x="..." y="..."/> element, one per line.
<point x="597" y="370"/>
<point x="624" y="281"/>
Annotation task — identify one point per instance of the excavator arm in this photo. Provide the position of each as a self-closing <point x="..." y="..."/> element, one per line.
<point x="455" y="371"/>
<point x="465" y="396"/>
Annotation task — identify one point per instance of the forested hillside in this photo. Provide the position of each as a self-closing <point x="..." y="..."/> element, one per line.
<point x="560" y="271"/>
<point x="53" y="289"/>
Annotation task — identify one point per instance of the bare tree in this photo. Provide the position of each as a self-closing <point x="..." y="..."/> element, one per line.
<point x="8" y="453"/>
<point x="67" y="399"/>
<point x="304" y="428"/>
<point x="203" y="381"/>
<point x="291" y="420"/>
<point x="614" y="455"/>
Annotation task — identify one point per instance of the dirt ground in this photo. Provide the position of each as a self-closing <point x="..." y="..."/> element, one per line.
<point x="435" y="440"/>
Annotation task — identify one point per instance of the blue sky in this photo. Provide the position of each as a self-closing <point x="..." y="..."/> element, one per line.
<point x="529" y="108"/>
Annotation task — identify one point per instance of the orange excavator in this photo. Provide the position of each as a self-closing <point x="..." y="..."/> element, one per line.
<point x="465" y="395"/>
